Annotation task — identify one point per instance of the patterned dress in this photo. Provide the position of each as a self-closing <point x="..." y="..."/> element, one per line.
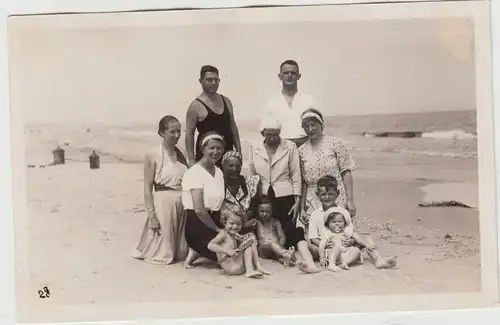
<point x="330" y="157"/>
<point x="246" y="192"/>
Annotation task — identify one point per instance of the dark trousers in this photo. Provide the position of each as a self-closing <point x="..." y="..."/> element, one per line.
<point x="198" y="235"/>
<point x="281" y="207"/>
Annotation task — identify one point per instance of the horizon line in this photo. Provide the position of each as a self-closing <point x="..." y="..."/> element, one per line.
<point x="245" y="119"/>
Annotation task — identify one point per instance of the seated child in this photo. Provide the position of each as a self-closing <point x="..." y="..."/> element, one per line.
<point x="332" y="247"/>
<point x="237" y="254"/>
<point x="327" y="191"/>
<point x="270" y="235"/>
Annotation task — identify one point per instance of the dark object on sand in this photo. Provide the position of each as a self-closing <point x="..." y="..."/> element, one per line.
<point x="406" y="134"/>
<point x="447" y="236"/>
<point x="94" y="160"/>
<point x="444" y="204"/>
<point x="58" y="156"/>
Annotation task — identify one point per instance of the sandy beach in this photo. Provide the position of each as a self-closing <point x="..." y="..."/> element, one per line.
<point x="84" y="224"/>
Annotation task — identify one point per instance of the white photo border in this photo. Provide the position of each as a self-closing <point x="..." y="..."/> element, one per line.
<point x="479" y="10"/>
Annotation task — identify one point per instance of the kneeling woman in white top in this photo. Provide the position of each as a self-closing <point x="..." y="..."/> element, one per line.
<point x="202" y="197"/>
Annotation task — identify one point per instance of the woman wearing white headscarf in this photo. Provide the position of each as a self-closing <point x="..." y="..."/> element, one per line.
<point x="324" y="155"/>
<point x="277" y="162"/>
<point x="202" y="197"/>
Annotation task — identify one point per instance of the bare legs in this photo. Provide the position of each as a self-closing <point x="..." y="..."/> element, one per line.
<point x="348" y="257"/>
<point x="191" y="258"/>
<point x="276" y="251"/>
<point x="255" y="259"/>
<point x="307" y="266"/>
<point x="372" y="251"/>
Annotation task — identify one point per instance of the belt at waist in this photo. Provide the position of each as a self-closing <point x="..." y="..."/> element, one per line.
<point x="208" y="210"/>
<point x="160" y="187"/>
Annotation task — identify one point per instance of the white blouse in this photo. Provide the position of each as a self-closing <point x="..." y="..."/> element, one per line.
<point x="198" y="177"/>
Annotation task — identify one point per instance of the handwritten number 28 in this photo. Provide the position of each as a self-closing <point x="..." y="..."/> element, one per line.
<point x="45" y="293"/>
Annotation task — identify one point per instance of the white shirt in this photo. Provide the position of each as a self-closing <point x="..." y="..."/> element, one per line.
<point x="198" y="177"/>
<point x="289" y="117"/>
<point x="317" y="228"/>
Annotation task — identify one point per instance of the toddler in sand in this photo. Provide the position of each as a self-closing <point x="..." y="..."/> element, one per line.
<point x="332" y="250"/>
<point x="270" y="235"/>
<point x="237" y="254"/>
<point x="327" y="191"/>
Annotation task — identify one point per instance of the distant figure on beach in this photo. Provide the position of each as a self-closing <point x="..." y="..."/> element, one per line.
<point x="241" y="191"/>
<point x="288" y="105"/>
<point x="162" y="240"/>
<point x="332" y="250"/>
<point x="210" y="111"/>
<point x="202" y="197"/>
<point x="277" y="162"/>
<point x="237" y="254"/>
<point x="328" y="193"/>
<point x="271" y="236"/>
<point x="323" y="155"/>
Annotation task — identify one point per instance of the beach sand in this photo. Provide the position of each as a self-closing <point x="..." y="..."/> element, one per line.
<point x="84" y="224"/>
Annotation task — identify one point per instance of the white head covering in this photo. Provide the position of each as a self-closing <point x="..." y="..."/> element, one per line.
<point x="211" y="137"/>
<point x="349" y="228"/>
<point x="313" y="115"/>
<point x="270" y="122"/>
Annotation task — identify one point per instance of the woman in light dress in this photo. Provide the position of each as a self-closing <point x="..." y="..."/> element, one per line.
<point x="323" y="155"/>
<point x="162" y="240"/>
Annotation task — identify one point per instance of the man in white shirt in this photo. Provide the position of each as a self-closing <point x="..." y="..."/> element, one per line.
<point x="288" y="105"/>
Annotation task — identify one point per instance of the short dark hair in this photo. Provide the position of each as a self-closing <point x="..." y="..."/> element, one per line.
<point x="162" y="125"/>
<point x="289" y="62"/>
<point x="211" y="133"/>
<point x="208" y="68"/>
<point x="328" y="182"/>
<point x="264" y="199"/>
<point x="331" y="216"/>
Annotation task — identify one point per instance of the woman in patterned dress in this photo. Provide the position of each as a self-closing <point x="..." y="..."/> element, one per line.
<point x="241" y="192"/>
<point x="323" y="155"/>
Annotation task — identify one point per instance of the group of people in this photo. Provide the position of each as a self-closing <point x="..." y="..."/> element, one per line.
<point x="296" y="206"/>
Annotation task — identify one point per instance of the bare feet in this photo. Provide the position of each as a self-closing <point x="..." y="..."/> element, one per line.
<point x="334" y="268"/>
<point x="190" y="259"/>
<point x="387" y="263"/>
<point x="345" y="267"/>
<point x="263" y="270"/>
<point x="287" y="259"/>
<point x="309" y="270"/>
<point x="253" y="275"/>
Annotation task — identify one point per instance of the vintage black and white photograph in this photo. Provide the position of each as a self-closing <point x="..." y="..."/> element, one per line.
<point x="253" y="158"/>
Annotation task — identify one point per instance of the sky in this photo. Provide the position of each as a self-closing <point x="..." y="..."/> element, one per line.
<point x="122" y="75"/>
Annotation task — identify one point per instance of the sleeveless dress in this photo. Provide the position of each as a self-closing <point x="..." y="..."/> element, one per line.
<point x="220" y="123"/>
<point x="170" y="245"/>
